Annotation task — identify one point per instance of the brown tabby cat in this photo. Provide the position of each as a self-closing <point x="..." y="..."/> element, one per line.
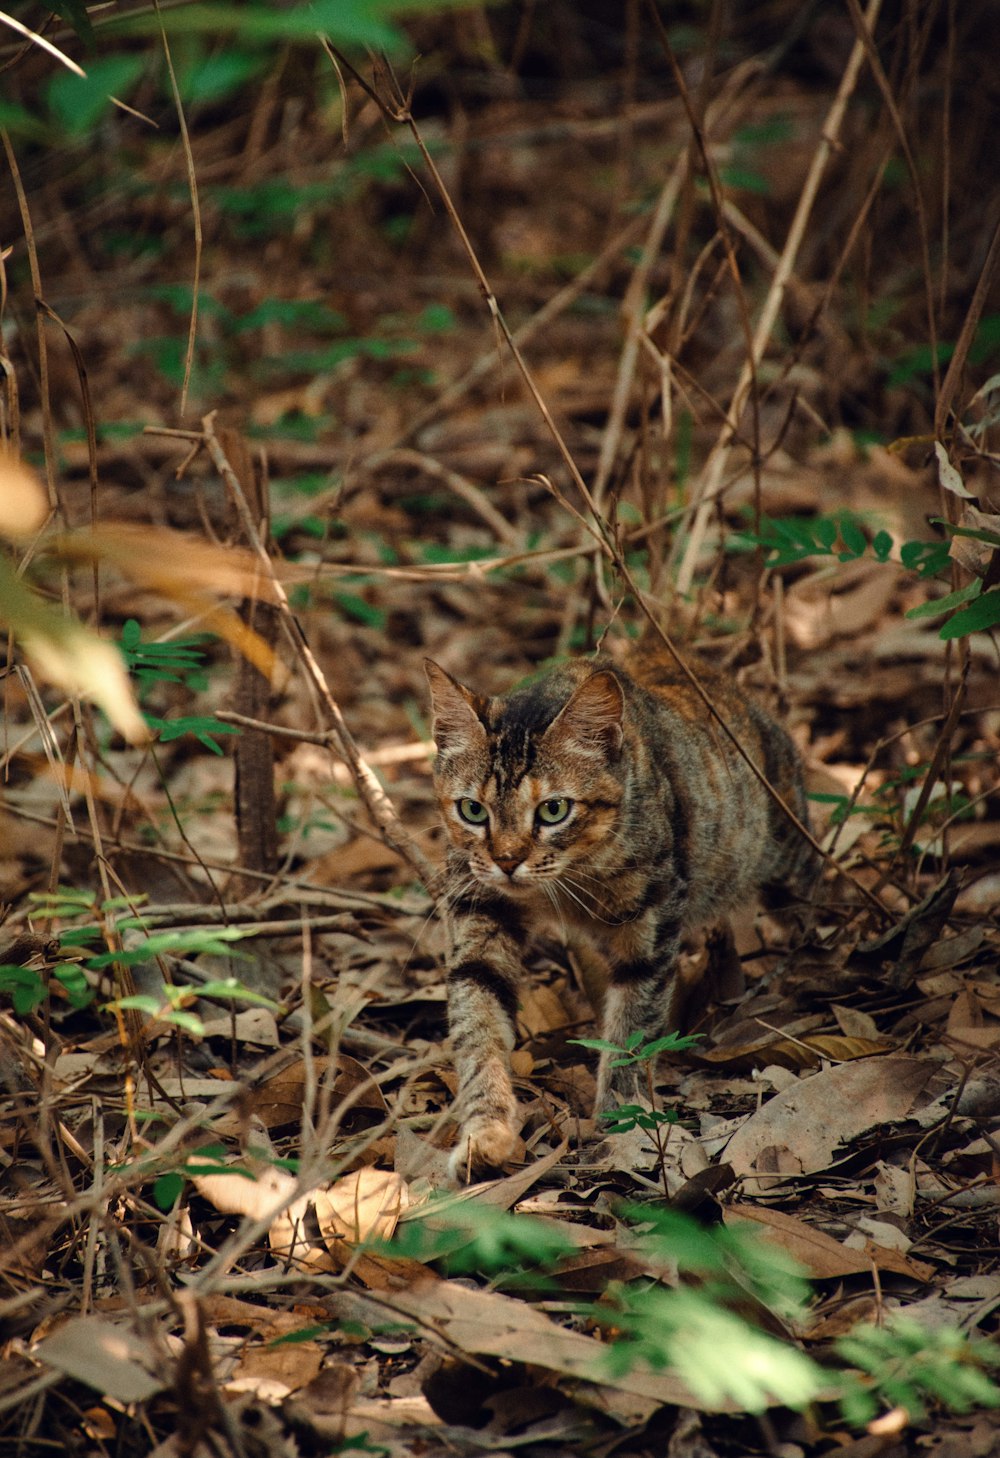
<point x="605" y="798"/>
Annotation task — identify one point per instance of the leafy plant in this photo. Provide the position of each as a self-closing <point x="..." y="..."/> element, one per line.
<point x="28" y="989"/>
<point x="919" y="361"/>
<point x="180" y="661"/>
<point x="638" y="1053"/>
<point x="891" y="802"/>
<point x="697" y="1323"/>
<point x="910" y="1365"/>
<point x="468" y="1237"/>
<point x="973" y="607"/>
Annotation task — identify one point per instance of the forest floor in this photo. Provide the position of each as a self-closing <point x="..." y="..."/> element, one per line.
<point x="420" y="499"/>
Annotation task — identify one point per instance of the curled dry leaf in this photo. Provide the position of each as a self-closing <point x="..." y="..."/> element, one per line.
<point x="974" y="554"/>
<point x="268" y="1195"/>
<point x="258" y="1196"/>
<point x="184" y="570"/>
<point x="23" y="506"/>
<point x="363" y="1205"/>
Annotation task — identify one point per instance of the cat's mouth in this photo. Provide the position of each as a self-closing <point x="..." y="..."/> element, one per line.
<point x="520" y="879"/>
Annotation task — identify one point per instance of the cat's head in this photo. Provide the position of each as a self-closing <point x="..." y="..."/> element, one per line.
<point x="529" y="784"/>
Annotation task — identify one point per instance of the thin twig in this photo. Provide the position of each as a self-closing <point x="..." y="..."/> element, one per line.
<point x="192" y="177"/>
<point x="709" y="484"/>
<point x="373" y="797"/>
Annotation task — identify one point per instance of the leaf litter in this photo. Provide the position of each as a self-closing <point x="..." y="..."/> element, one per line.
<point x="850" y="1089"/>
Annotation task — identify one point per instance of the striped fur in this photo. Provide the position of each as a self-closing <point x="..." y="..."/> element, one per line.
<point x="666" y="829"/>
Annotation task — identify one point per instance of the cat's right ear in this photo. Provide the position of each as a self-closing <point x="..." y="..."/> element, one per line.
<point x="456" y="718"/>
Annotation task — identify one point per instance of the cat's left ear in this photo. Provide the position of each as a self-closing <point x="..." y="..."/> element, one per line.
<point x="591" y="722"/>
<point x="456" y="718"/>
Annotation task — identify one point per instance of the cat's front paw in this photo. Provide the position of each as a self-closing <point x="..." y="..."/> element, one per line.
<point x="484" y="1143"/>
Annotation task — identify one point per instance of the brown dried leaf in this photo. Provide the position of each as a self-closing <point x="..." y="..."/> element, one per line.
<point x="363" y="1205"/>
<point x="23" y="504"/>
<point x="821" y="608"/>
<point x="817" y="1048"/>
<point x="272" y="1372"/>
<point x="821" y="1255"/>
<point x="540" y="1010"/>
<point x="485" y="1323"/>
<point x="278" y="1101"/>
<point x="258" y="1196"/>
<point x="810" y="1120"/>
<point x="358" y="857"/>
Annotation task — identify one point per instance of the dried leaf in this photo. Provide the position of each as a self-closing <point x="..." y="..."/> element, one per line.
<point x="106" y="1357"/>
<point x="822" y="1256"/>
<point x="948" y="475"/>
<point x="540" y="1010"/>
<point x="23" y="504"/>
<point x="258" y="1195"/>
<point x="485" y="1323"/>
<point x="818" y="1114"/>
<point x="365" y="1205"/>
<point x="273" y="1372"/>
<point x="816" y="1048"/>
<point x="279" y="1099"/>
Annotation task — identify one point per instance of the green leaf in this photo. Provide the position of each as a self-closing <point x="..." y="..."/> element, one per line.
<point x="980" y="614"/>
<point x="20" y="122"/>
<point x="77" y="102"/>
<point x="304" y="1334"/>
<point x="854" y="538"/>
<point x="179" y="943"/>
<point x="978" y="534"/>
<point x="826" y="532"/>
<point x="882" y="546"/>
<point x="357" y="607"/>
<point x="138" y="1002"/>
<point x="212" y="78"/>
<point x="745" y="179"/>
<point x="473" y="1237"/>
<point x="74" y="12"/>
<point x="230" y="987"/>
<point x="304" y="313"/>
<point x="938" y="605"/>
<point x="24" y="986"/>
<point x="436" y="319"/>
<point x="925" y="558"/>
<point x="167" y="1190"/>
<point x="78" y="990"/>
<point x="202" y="727"/>
<point x="672" y="1042"/>
<point x="189" y="1021"/>
<point x="80" y="936"/>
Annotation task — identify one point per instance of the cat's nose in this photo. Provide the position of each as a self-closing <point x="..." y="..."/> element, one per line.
<point x="508" y="864"/>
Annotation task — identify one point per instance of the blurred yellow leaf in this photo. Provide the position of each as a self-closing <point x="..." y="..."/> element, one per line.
<point x="23" y="506"/>
<point x="62" y="650"/>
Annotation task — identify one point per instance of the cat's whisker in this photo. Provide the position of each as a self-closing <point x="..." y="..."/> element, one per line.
<point x="550" y="892"/>
<point x="561" y="884"/>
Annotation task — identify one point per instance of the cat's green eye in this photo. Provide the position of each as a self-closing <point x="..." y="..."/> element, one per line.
<point x="473" y="812"/>
<point x="554" y="811"/>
